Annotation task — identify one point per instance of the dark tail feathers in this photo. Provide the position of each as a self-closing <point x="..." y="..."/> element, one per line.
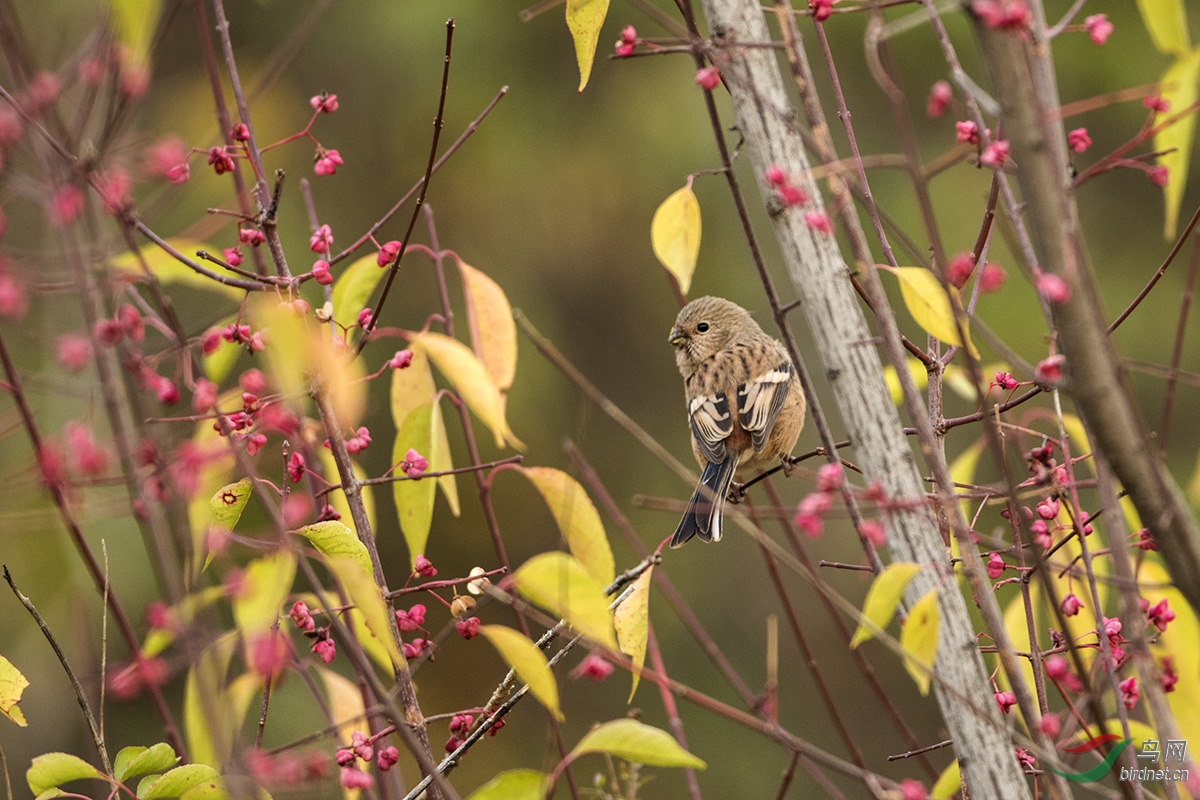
<point x="703" y="515"/>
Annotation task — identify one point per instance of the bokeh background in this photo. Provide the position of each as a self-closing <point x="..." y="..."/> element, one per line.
<point x="552" y="197"/>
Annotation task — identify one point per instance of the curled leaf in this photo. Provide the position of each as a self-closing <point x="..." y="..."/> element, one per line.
<point x="675" y="235"/>
<point x="528" y="662"/>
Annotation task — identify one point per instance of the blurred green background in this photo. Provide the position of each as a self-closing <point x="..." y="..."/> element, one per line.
<point x="552" y="198"/>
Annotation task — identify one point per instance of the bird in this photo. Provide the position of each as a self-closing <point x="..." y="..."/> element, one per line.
<point x="745" y="405"/>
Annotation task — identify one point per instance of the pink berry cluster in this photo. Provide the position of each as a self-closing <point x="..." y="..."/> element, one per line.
<point x="625" y="45"/>
<point x="323" y="645"/>
<point x="460" y="728"/>
<point x="790" y="195"/>
<point x="961" y="267"/>
<point x="811" y="511"/>
<point x="286" y="770"/>
<point x="362" y="748"/>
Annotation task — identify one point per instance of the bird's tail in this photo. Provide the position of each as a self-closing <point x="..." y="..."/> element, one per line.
<point x="703" y="515"/>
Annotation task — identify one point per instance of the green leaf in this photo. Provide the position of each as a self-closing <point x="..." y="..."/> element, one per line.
<point x="265" y="586"/>
<point x="636" y="742"/>
<point x="584" y="20"/>
<point x="439" y="459"/>
<point x="179" y="780"/>
<point x="1179" y="88"/>
<point x="229" y="502"/>
<point x="919" y="639"/>
<point x="50" y="770"/>
<point x="516" y="784"/>
<point x="12" y="686"/>
<point x="209" y="735"/>
<point x="632" y="621"/>
<point x="207" y="790"/>
<point x="353" y="289"/>
<point x="528" y="662"/>
<point x="170" y="270"/>
<point x="412" y="387"/>
<point x="134" y="761"/>
<point x="882" y="599"/>
<point x="1166" y="22"/>
<point x="932" y="305"/>
<point x="559" y="583"/>
<point x="414" y="499"/>
<point x="675" y="235"/>
<point x="332" y="538"/>
<point x="577" y="519"/>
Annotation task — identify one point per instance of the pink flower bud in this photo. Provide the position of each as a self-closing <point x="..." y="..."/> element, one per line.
<point x="939" y="99"/>
<point x="708" y="78"/>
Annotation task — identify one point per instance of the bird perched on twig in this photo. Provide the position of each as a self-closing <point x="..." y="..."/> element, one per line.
<point x="745" y="405"/>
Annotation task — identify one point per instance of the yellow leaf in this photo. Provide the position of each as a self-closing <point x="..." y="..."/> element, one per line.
<point x="1166" y="22"/>
<point x="471" y="380"/>
<point x="558" y="583"/>
<point x="1080" y="446"/>
<point x="363" y="592"/>
<point x="584" y="19"/>
<point x="169" y="269"/>
<point x="209" y="732"/>
<point x="493" y="329"/>
<point x="134" y="22"/>
<point x="529" y="663"/>
<point x="412" y="387"/>
<point x="337" y="498"/>
<point x="353" y="288"/>
<point x="577" y="520"/>
<point x="515" y="784"/>
<point x="414" y="499"/>
<point x="333" y="538"/>
<point x="962" y="472"/>
<point x="439" y="460"/>
<point x="12" y="685"/>
<point x="920" y="377"/>
<point x="265" y="585"/>
<point x="345" y="703"/>
<point x="1180" y="90"/>
<point x="948" y="783"/>
<point x="632" y="621"/>
<point x="919" y="639"/>
<point x="931" y="306"/>
<point x="219" y="363"/>
<point x="882" y="599"/>
<point x="637" y="742"/>
<point x="675" y="235"/>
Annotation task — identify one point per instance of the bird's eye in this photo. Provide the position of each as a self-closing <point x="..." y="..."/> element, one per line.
<point x="702" y="327"/>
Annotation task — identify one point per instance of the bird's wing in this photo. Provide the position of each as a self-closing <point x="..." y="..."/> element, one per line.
<point x="711" y="424"/>
<point x="759" y="401"/>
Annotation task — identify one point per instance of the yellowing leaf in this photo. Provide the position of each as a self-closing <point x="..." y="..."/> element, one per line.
<point x="559" y="583"/>
<point x="584" y="20"/>
<point x="210" y="734"/>
<point x="51" y="770"/>
<point x="577" y="520"/>
<point x="528" y="662"/>
<point x="12" y="685"/>
<point x="632" y="621"/>
<point x="345" y="703"/>
<point x="1166" y="22"/>
<point x="353" y="288"/>
<point x="493" y="329"/>
<point x="265" y="585"/>
<point x="333" y="538"/>
<point x="1080" y="446"/>
<point x="412" y="387"/>
<point x="637" y="742"/>
<point x="948" y="783"/>
<point x="882" y="599"/>
<point x="179" y="780"/>
<point x="471" y="380"/>
<point x="931" y="306"/>
<point x="515" y="784"/>
<point x="219" y="363"/>
<point x="919" y="639"/>
<point x="962" y="473"/>
<point x="1180" y="90"/>
<point x="227" y="504"/>
<point x="675" y="235"/>
<point x="337" y="498"/>
<point x="414" y="499"/>
<point x="168" y="269"/>
<point x="215" y="473"/>
<point x="363" y="592"/>
<point x="920" y="377"/>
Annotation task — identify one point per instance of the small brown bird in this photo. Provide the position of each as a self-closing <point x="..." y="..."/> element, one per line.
<point x="724" y="355"/>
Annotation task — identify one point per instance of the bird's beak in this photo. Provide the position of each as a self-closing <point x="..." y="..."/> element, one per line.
<point x="677" y="337"/>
